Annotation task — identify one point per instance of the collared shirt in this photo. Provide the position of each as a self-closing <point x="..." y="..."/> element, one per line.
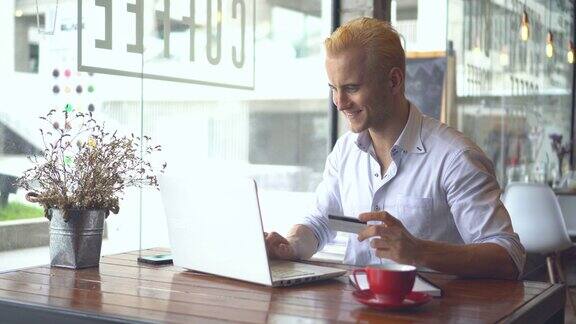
<point x="440" y="185"/>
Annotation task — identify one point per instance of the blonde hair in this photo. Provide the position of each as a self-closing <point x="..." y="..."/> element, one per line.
<point x="378" y="38"/>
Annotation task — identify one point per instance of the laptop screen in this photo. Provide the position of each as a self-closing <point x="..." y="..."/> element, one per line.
<point x="215" y="226"/>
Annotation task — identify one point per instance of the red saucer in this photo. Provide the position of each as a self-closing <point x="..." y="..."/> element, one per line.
<point x="413" y="299"/>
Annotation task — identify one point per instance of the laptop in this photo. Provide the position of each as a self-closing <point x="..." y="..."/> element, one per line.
<point x="215" y="226"/>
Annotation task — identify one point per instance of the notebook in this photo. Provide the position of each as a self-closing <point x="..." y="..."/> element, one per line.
<point x="420" y="285"/>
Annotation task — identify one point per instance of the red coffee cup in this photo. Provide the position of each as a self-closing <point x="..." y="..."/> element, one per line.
<point x="390" y="283"/>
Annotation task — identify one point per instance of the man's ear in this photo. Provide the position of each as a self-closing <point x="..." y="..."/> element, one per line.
<point x="395" y="79"/>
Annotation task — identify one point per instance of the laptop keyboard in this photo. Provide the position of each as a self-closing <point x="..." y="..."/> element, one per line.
<point x="283" y="273"/>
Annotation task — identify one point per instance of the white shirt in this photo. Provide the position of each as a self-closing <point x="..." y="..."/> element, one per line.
<point x="440" y="185"/>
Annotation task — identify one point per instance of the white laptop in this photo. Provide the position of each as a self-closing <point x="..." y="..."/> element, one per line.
<point x="215" y="226"/>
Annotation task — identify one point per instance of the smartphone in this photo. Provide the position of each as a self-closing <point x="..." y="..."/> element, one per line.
<point x="156" y="259"/>
<point x="346" y="224"/>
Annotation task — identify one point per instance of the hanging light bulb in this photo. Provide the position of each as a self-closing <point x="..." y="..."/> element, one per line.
<point x="504" y="58"/>
<point x="477" y="50"/>
<point x="549" y="45"/>
<point x="524" y="26"/>
<point x="570" y="54"/>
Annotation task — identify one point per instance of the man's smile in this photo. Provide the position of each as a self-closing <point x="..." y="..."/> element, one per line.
<point x="351" y="114"/>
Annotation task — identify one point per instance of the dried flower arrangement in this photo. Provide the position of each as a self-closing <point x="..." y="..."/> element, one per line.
<point x="84" y="166"/>
<point x="560" y="149"/>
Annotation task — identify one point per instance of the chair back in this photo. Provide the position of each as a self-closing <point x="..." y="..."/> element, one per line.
<point x="536" y="217"/>
<point x="568" y="207"/>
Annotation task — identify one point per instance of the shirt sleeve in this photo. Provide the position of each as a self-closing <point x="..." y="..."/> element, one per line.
<point x="327" y="202"/>
<point x="473" y="195"/>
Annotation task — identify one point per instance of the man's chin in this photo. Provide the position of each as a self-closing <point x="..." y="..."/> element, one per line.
<point x="356" y="128"/>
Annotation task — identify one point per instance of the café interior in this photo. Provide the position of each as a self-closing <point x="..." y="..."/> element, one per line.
<point x="239" y="87"/>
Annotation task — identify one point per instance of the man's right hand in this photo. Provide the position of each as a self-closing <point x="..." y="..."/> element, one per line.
<point x="278" y="247"/>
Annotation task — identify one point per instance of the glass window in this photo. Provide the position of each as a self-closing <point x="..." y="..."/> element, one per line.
<point x="276" y="132"/>
<point x="269" y="121"/>
<point x="514" y="83"/>
<point x="510" y="93"/>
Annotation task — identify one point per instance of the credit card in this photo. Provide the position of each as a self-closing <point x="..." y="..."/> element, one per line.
<point x="345" y="224"/>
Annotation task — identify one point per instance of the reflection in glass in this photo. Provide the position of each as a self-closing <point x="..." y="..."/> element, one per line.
<point x="516" y="91"/>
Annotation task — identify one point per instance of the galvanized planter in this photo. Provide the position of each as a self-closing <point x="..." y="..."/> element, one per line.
<point x="76" y="244"/>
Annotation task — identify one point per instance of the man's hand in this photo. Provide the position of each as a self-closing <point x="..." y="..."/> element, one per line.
<point x="392" y="240"/>
<point x="278" y="247"/>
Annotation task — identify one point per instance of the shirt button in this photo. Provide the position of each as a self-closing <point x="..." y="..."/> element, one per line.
<point x="376" y="208"/>
<point x="376" y="174"/>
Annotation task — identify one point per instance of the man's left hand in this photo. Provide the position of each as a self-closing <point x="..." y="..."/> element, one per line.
<point x="278" y="247"/>
<point x="393" y="241"/>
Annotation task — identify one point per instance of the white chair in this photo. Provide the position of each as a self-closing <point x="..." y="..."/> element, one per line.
<point x="537" y="218"/>
<point x="568" y="206"/>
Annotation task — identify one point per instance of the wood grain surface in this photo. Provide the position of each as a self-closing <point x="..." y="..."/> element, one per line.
<point x="121" y="289"/>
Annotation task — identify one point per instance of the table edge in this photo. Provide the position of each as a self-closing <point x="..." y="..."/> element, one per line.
<point x="24" y="311"/>
<point x="538" y="307"/>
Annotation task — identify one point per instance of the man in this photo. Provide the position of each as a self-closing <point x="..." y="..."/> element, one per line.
<point x="431" y="190"/>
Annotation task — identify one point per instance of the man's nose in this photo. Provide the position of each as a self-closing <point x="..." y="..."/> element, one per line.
<point x="341" y="100"/>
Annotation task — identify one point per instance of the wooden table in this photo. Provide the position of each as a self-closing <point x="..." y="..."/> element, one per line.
<point x="122" y="290"/>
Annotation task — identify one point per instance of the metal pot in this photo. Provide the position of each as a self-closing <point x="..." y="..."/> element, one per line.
<point x="77" y="243"/>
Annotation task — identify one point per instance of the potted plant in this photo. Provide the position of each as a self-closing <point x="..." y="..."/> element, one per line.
<point x="79" y="180"/>
<point x="560" y="149"/>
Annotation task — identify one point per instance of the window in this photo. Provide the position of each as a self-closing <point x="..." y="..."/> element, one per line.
<point x="512" y="96"/>
<point x="275" y="129"/>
